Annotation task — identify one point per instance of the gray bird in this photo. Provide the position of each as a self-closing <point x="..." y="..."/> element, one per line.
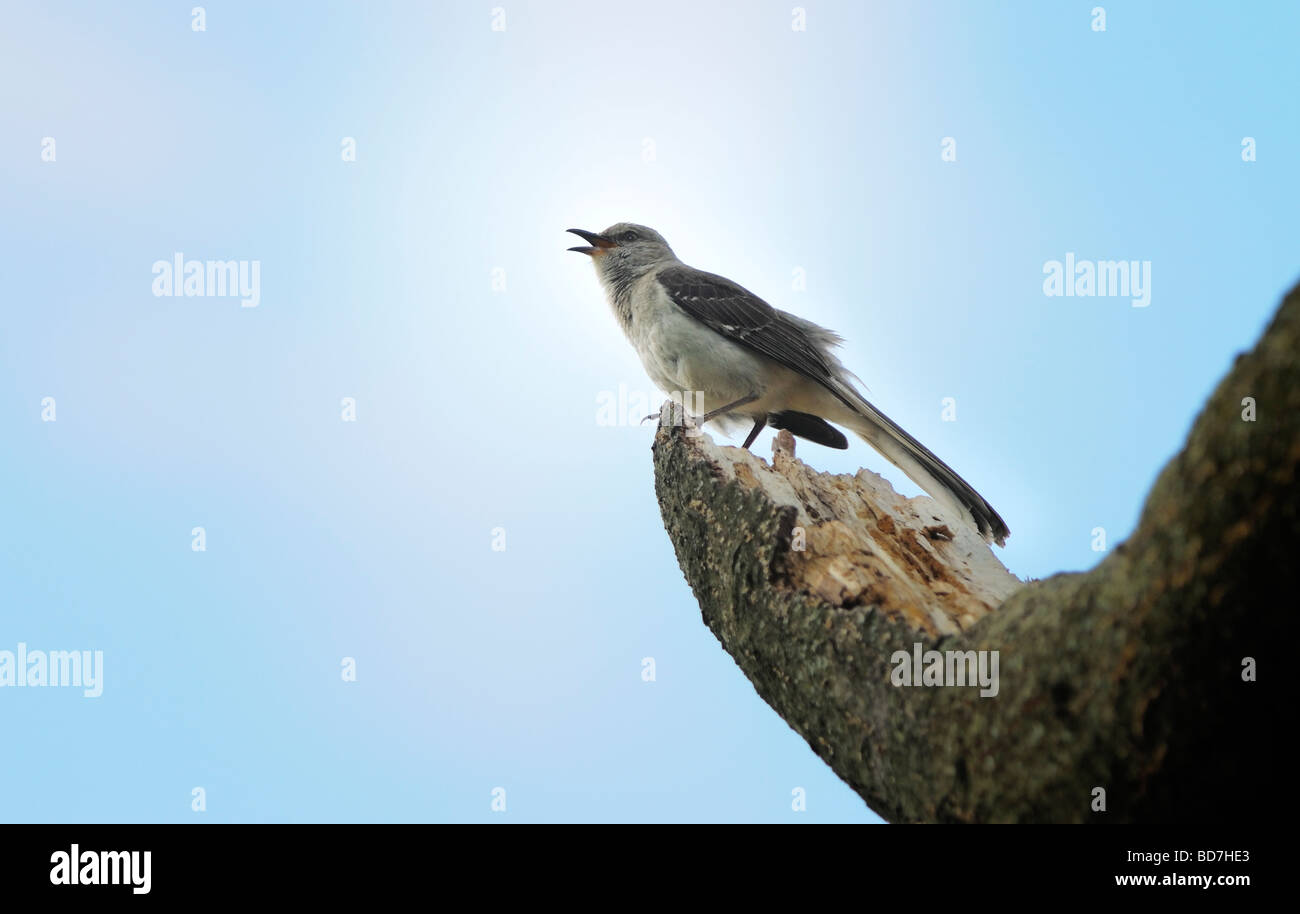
<point x="741" y="360"/>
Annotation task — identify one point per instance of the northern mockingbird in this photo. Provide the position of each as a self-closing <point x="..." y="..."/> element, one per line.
<point x="741" y="359"/>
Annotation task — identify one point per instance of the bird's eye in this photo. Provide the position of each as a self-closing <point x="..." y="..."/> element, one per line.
<point x="628" y="236"/>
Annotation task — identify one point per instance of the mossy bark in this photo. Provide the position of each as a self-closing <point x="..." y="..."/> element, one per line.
<point x="1128" y="678"/>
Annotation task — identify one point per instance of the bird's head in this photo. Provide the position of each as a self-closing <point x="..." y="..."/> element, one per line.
<point x="625" y="250"/>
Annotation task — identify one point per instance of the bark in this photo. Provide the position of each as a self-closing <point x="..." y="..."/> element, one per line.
<point x="1128" y="678"/>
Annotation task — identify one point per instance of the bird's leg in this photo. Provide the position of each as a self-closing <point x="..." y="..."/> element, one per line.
<point x="759" y="423"/>
<point x="714" y="413"/>
<point x="673" y="407"/>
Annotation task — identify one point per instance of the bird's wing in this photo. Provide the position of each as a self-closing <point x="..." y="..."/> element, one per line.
<point x="738" y="314"/>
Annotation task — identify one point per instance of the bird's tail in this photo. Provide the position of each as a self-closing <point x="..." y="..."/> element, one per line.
<point x="938" y="479"/>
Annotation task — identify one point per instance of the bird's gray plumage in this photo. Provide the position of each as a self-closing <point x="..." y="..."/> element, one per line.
<point x="732" y="310"/>
<point x="705" y="334"/>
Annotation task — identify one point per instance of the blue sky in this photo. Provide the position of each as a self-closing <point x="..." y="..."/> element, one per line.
<point x="428" y="281"/>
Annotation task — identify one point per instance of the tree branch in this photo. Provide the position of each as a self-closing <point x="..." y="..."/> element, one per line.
<point x="1127" y="678"/>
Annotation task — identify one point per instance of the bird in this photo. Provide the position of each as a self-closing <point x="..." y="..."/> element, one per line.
<point x="744" y="361"/>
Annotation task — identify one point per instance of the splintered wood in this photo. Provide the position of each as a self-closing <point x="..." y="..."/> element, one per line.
<point x="856" y="542"/>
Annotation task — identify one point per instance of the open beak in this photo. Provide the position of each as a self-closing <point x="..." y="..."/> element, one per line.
<point x="598" y="243"/>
